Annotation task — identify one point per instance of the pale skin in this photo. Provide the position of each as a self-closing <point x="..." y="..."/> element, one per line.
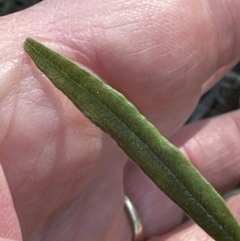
<point x="66" y="178"/>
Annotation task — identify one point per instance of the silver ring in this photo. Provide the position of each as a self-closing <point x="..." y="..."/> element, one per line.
<point x="135" y="220"/>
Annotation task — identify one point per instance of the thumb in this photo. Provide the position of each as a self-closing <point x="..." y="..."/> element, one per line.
<point x="164" y="51"/>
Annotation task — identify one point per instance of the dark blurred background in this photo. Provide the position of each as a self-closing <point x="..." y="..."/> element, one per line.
<point x="11" y="6"/>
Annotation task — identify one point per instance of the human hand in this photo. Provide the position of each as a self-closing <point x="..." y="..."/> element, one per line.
<point x="66" y="177"/>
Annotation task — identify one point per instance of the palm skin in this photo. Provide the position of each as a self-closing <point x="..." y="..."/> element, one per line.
<point x="67" y="178"/>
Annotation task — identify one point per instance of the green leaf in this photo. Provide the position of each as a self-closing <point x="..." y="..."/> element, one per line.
<point x="141" y="141"/>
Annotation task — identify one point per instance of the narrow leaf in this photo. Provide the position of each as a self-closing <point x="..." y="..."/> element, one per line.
<point x="141" y="141"/>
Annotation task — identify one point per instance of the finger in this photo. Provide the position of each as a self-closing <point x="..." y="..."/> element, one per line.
<point x="157" y="212"/>
<point x="9" y="225"/>
<point x="212" y="146"/>
<point x="190" y="231"/>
